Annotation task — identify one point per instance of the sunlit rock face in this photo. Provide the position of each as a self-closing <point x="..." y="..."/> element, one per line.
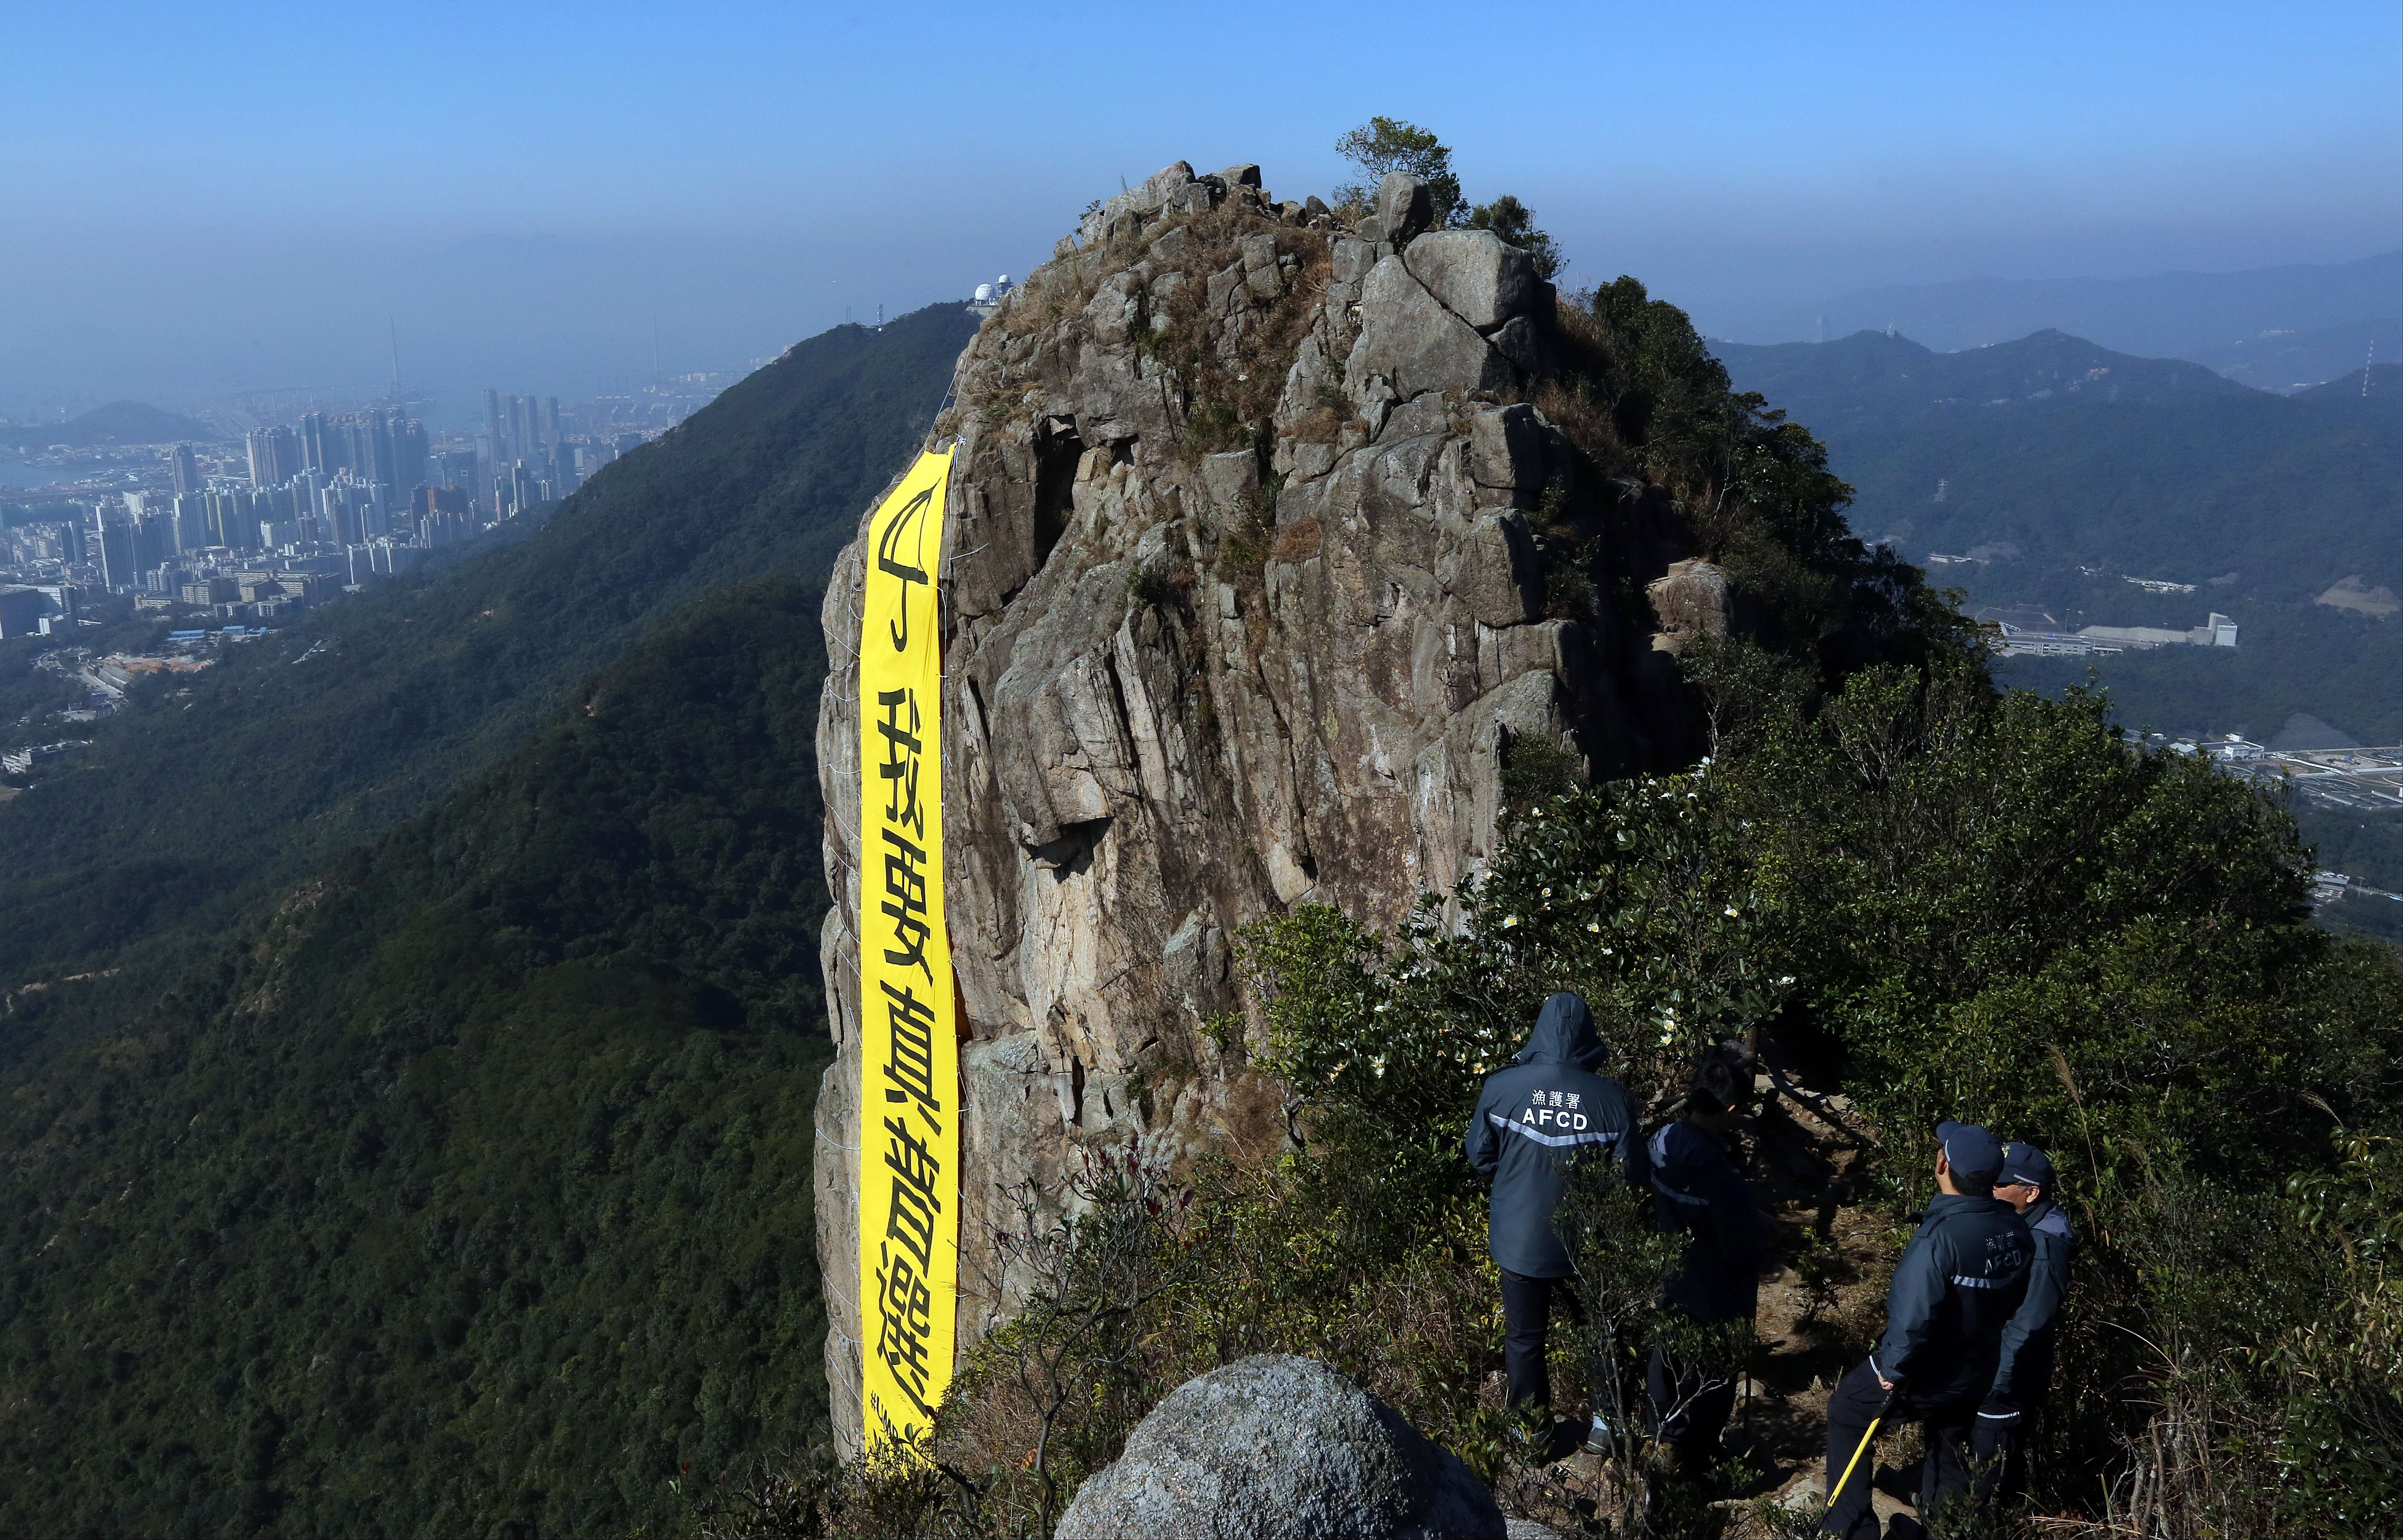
<point x="1243" y="609"/>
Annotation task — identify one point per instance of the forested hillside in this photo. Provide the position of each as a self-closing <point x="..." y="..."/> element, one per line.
<point x="188" y="814"/>
<point x="469" y="1193"/>
<point x="2074" y="453"/>
<point x="2063" y="468"/>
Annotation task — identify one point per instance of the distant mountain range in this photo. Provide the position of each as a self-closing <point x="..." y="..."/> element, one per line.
<point x="2273" y="328"/>
<point x="117" y="423"/>
<point x="2068" y="451"/>
<point x="2062" y="469"/>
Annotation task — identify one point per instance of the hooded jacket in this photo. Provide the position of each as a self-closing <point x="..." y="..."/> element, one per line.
<point x="2025" y="1369"/>
<point x="1546" y="1113"/>
<point x="1698" y="1190"/>
<point x="1960" y="1278"/>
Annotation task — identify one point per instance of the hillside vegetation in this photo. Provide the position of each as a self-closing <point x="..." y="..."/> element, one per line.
<point x="2077" y="454"/>
<point x="188" y="814"/>
<point x="469" y="1193"/>
<point x="2064" y="466"/>
<point x="1896" y="882"/>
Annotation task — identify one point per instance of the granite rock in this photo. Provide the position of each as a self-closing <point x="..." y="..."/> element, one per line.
<point x="1361" y="625"/>
<point x="1278" y="1448"/>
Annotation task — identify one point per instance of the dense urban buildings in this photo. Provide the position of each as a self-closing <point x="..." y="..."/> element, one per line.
<point x="294" y="511"/>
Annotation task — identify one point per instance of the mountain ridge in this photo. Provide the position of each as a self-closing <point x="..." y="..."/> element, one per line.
<point x="2172" y="314"/>
<point x="186" y="816"/>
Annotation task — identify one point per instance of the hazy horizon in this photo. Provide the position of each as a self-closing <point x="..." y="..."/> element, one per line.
<point x="203" y="205"/>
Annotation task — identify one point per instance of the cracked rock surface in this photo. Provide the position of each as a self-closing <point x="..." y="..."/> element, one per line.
<point x="1245" y="606"/>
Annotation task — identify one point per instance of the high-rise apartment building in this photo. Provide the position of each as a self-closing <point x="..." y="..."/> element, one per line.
<point x="275" y="455"/>
<point x="192" y="523"/>
<point x="114" y="549"/>
<point x="454" y="468"/>
<point x="187" y="468"/>
<point x="500" y="449"/>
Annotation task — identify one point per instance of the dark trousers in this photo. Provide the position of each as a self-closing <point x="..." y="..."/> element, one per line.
<point x="1526" y="1320"/>
<point x="1942" y="1477"/>
<point x="1690" y="1407"/>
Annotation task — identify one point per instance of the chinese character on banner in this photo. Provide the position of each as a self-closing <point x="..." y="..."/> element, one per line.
<point x="909" y="1158"/>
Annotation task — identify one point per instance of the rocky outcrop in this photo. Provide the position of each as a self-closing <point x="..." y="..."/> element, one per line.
<point x="1252" y="589"/>
<point x="1277" y="1447"/>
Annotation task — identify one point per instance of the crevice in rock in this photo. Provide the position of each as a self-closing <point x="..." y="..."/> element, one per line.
<point x="1057" y="450"/>
<point x="1071" y="853"/>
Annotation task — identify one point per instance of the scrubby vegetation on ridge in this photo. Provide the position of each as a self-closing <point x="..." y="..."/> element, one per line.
<point x="1952" y="904"/>
<point x="1889" y="877"/>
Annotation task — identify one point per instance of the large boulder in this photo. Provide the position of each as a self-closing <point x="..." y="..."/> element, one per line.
<point x="1278" y="1448"/>
<point x="1409" y="337"/>
<point x="1404" y="207"/>
<point x="1476" y="275"/>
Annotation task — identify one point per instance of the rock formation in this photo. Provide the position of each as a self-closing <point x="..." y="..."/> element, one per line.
<point x="1277" y="1447"/>
<point x="1252" y="600"/>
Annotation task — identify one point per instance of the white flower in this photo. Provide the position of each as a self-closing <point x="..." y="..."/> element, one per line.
<point x="1787" y="980"/>
<point x="1508" y="921"/>
<point x="1595" y="926"/>
<point x="1730" y="913"/>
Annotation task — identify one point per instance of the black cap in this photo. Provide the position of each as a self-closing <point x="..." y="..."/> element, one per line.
<point x="2025" y="1165"/>
<point x="1970" y="1150"/>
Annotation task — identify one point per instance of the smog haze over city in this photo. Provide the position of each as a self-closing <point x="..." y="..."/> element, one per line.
<point x="205" y="200"/>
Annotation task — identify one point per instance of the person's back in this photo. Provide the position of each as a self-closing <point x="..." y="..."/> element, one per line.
<point x="2023" y="1369"/>
<point x="1699" y="1192"/>
<point x="1960" y="1281"/>
<point x="1535" y="1121"/>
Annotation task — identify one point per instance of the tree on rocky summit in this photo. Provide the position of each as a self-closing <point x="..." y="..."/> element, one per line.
<point x="1515" y="223"/>
<point x="1383" y="145"/>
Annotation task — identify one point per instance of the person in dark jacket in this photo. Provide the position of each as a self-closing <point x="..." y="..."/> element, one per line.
<point x="1960" y="1281"/>
<point x="2023" y="1372"/>
<point x="1698" y="1190"/>
<point x="1544" y="1114"/>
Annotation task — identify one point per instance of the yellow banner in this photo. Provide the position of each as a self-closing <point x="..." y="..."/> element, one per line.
<point x="909" y="1077"/>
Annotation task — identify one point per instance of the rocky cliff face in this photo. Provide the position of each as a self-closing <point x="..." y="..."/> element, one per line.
<point x="1254" y="600"/>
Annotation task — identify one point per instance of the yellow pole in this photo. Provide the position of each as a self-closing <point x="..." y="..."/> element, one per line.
<point x="1855" y="1460"/>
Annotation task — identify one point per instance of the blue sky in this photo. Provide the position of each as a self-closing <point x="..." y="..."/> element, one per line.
<point x="251" y="189"/>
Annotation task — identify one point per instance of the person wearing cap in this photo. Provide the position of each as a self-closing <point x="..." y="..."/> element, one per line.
<point x="1960" y="1281"/>
<point x="1538" y="1118"/>
<point x="2023" y="1372"/>
<point x="1698" y="1190"/>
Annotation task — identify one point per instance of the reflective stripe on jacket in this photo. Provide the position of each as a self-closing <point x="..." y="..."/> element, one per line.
<point x="1960" y="1278"/>
<point x="1536" y="1119"/>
